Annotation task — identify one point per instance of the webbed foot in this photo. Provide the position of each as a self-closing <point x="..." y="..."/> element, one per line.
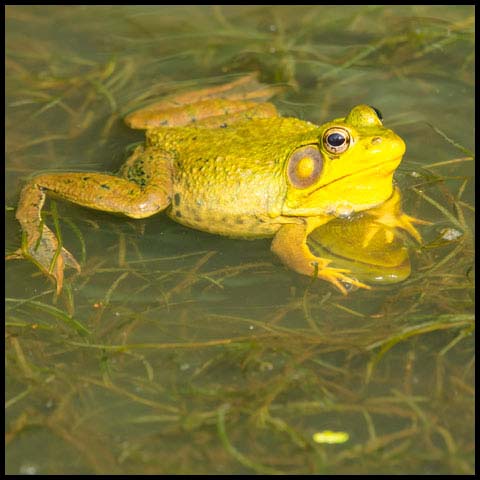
<point x="45" y="253"/>
<point x="389" y="214"/>
<point x="336" y="276"/>
<point x="290" y="245"/>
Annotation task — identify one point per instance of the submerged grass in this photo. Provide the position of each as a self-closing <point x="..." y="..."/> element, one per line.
<point x="180" y="362"/>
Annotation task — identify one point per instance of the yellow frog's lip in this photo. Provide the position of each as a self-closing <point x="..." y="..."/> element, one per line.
<point x="396" y="161"/>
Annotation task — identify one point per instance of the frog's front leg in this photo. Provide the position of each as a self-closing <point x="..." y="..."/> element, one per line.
<point x="290" y="244"/>
<point x="149" y="194"/>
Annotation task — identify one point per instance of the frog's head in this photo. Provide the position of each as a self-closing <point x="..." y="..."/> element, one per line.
<point x="350" y="168"/>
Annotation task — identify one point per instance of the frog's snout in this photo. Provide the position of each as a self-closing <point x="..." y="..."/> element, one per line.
<point x="397" y="146"/>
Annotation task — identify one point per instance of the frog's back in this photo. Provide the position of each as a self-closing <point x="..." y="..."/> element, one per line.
<point x="231" y="180"/>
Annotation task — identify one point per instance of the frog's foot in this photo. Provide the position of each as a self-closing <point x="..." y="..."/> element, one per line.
<point x="389" y="214"/>
<point x="145" y="191"/>
<point x="43" y="252"/>
<point x="406" y="222"/>
<point x="393" y="221"/>
<point x="335" y="275"/>
<point x="290" y="245"/>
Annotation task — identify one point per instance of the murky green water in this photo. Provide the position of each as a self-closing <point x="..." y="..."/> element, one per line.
<point x="180" y="352"/>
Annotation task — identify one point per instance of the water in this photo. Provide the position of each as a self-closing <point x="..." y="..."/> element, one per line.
<point x="177" y="351"/>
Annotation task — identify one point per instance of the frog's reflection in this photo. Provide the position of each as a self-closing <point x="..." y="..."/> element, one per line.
<point x="371" y="250"/>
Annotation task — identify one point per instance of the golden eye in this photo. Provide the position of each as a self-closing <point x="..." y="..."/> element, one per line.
<point x="305" y="166"/>
<point x="336" y="140"/>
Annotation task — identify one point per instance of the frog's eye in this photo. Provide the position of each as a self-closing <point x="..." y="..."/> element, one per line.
<point x="336" y="140"/>
<point x="305" y="166"/>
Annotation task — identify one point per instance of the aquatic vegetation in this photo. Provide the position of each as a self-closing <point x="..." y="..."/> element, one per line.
<point x="179" y="352"/>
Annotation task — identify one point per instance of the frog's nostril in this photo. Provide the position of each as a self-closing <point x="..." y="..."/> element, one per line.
<point x="376" y="140"/>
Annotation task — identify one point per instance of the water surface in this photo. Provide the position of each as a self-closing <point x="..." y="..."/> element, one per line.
<point x="176" y="351"/>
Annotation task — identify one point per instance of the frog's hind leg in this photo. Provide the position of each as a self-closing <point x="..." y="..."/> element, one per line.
<point x="39" y="244"/>
<point x="214" y="113"/>
<point x="145" y="191"/>
<point x="242" y="95"/>
<point x="244" y="88"/>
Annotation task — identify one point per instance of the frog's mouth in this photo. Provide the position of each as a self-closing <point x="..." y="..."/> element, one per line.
<point x="385" y="169"/>
<point x="372" y="186"/>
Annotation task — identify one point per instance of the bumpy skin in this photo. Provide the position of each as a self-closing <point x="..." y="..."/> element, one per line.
<point x="221" y="161"/>
<point x="231" y="181"/>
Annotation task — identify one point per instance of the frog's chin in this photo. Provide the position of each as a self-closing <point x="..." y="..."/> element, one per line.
<point x="344" y="203"/>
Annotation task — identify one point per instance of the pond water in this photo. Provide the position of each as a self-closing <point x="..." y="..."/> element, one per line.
<point x="176" y="351"/>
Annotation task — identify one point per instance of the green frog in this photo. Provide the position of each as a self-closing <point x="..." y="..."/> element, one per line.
<point x="222" y="160"/>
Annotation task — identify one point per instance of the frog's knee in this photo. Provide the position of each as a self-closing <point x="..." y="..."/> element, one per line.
<point x="148" y="205"/>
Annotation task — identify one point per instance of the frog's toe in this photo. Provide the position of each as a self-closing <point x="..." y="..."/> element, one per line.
<point x="406" y="222"/>
<point x="54" y="265"/>
<point x="16" y="255"/>
<point x="338" y="278"/>
<point x="70" y="260"/>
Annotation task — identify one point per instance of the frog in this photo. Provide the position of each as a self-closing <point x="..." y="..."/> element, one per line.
<point x="223" y="160"/>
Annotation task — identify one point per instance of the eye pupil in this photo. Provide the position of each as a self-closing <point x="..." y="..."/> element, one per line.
<point x="336" y="139"/>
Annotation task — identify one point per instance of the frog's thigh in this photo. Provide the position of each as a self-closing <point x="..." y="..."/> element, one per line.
<point x="105" y="192"/>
